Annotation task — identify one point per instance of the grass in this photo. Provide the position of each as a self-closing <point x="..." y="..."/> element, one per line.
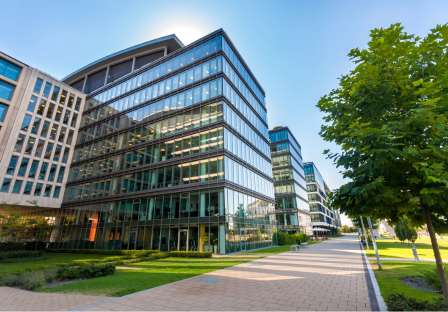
<point x="390" y="248"/>
<point x="47" y="261"/>
<point x="390" y="279"/>
<point x="148" y="274"/>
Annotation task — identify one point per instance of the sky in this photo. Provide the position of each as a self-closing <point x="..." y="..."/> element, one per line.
<point x="297" y="49"/>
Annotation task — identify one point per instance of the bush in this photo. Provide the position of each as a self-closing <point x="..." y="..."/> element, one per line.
<point x="85" y="271"/>
<point x="115" y="252"/>
<point x="399" y="302"/>
<point x="20" y="254"/>
<point x="14" y="246"/>
<point x="190" y="254"/>
<point x="27" y="280"/>
<point x="284" y="238"/>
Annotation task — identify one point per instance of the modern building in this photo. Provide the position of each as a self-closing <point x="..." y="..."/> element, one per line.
<point x="291" y="200"/>
<point x="325" y="220"/>
<point x="173" y="151"/>
<point x="39" y="121"/>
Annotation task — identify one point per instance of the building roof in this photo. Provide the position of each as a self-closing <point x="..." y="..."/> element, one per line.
<point x="171" y="41"/>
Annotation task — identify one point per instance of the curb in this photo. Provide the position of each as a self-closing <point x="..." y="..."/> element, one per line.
<point x="381" y="305"/>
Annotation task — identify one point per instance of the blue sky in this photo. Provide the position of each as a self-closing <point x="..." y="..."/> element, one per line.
<point x="297" y="49"/>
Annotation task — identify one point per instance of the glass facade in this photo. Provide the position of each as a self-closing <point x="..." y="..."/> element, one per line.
<point x="291" y="202"/>
<point x="176" y="157"/>
<point x="324" y="219"/>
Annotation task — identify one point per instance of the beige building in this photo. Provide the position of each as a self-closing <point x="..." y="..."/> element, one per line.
<point x="39" y="119"/>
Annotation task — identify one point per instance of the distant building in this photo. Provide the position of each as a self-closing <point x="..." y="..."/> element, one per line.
<point x="324" y="219"/>
<point x="39" y="121"/>
<point x="291" y="203"/>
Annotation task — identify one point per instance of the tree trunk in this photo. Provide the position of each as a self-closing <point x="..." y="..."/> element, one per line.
<point x="435" y="248"/>
<point x="414" y="252"/>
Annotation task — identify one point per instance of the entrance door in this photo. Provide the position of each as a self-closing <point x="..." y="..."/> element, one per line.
<point x="183" y="239"/>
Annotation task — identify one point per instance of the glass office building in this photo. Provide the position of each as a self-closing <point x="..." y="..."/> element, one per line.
<point x="291" y="204"/>
<point x="325" y="220"/>
<point x="173" y="151"/>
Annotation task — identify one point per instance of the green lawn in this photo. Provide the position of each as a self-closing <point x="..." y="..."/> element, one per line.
<point x="48" y="260"/>
<point x="390" y="248"/>
<point x="143" y="275"/>
<point x="390" y="279"/>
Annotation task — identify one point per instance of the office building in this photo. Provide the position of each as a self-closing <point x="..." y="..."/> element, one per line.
<point x="39" y="121"/>
<point x="173" y="151"/>
<point x="291" y="200"/>
<point x="325" y="220"/>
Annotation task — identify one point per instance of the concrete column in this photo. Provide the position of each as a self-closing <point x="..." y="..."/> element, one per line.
<point x="202" y="236"/>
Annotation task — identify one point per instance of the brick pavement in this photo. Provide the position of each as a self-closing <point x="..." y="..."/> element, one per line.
<point x="326" y="276"/>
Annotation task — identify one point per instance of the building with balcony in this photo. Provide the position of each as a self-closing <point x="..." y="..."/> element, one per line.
<point x="39" y="121"/>
<point x="291" y="200"/>
<point x="324" y="219"/>
<point x="173" y="151"/>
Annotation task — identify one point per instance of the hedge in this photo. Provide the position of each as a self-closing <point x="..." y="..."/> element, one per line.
<point x="6" y="255"/>
<point x="115" y="252"/>
<point x="399" y="302"/>
<point x="14" y="246"/>
<point x="190" y="254"/>
<point x="86" y="271"/>
<point x="284" y="238"/>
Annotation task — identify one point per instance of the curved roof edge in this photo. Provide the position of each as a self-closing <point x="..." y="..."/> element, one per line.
<point x="173" y="38"/>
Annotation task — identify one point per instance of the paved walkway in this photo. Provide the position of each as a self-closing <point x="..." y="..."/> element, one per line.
<point x="326" y="276"/>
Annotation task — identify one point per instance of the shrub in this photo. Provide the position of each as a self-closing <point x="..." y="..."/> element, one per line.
<point x="85" y="271"/>
<point x="14" y="246"/>
<point x="399" y="302"/>
<point x="284" y="238"/>
<point x="20" y="254"/>
<point x="115" y="252"/>
<point x="190" y="254"/>
<point x="27" y="280"/>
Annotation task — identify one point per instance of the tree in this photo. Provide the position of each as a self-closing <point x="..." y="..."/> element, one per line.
<point x="389" y="116"/>
<point x="406" y="232"/>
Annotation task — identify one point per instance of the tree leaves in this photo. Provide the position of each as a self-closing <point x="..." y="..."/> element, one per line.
<point x="390" y="117"/>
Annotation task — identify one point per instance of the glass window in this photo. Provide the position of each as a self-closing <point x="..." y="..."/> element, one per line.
<point x="5" y="185"/>
<point x="52" y="173"/>
<point x="61" y="174"/>
<point x="47" y="191"/>
<point x="12" y="165"/>
<point x="30" y="145"/>
<point x="55" y="93"/>
<point x="71" y="99"/>
<point x="47" y="89"/>
<point x="26" y="122"/>
<point x="19" y="143"/>
<point x="6" y="90"/>
<point x="36" y="125"/>
<point x="56" y="192"/>
<point x="41" y="107"/>
<point x="63" y="97"/>
<point x="32" y="104"/>
<point x="17" y="186"/>
<point x="38" y="189"/>
<point x="78" y="104"/>
<point x="50" y="111"/>
<point x="33" y="169"/>
<point x="23" y="166"/>
<point x="43" y="170"/>
<point x="9" y="70"/>
<point x="28" y="188"/>
<point x="3" y="110"/>
<point x="38" y="85"/>
<point x="45" y="128"/>
<point x="49" y="150"/>
<point x="40" y="148"/>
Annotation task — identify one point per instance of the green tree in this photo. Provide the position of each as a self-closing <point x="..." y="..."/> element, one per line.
<point x="389" y="116"/>
<point x="406" y="232"/>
